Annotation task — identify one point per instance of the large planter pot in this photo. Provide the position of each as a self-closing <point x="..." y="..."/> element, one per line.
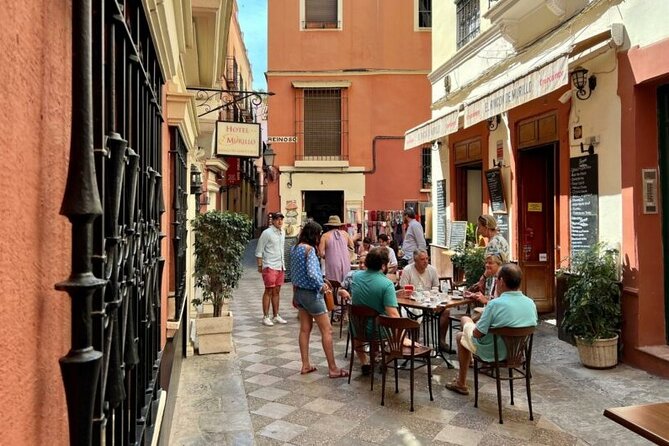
<point x="601" y="354"/>
<point x="214" y="334"/>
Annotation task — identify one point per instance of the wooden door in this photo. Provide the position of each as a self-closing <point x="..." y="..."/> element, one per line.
<point x="536" y="224"/>
<point x="663" y="142"/>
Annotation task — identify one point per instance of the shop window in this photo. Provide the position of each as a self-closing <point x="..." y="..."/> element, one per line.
<point x="468" y="19"/>
<point x="321" y="14"/>
<point x="424" y="13"/>
<point x="427" y="167"/>
<point x="322" y="133"/>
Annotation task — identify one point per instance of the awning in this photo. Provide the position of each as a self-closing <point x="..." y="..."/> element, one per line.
<point x="537" y="71"/>
<point x="431" y="130"/>
<point x="506" y="96"/>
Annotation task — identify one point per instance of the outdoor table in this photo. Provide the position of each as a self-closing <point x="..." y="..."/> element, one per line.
<point x="651" y="421"/>
<point x="431" y="314"/>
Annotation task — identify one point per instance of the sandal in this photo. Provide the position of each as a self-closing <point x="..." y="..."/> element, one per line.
<point x="309" y="370"/>
<point x="453" y="386"/>
<point x="342" y="374"/>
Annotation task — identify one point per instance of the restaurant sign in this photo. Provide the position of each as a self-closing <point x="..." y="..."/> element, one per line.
<point x="431" y="130"/>
<point x="238" y="139"/>
<point x="534" y="85"/>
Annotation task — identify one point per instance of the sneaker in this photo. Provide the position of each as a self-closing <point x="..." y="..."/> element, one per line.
<point x="267" y="321"/>
<point x="279" y="320"/>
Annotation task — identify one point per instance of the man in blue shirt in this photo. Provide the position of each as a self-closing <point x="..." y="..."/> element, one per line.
<point x="271" y="264"/>
<point x="511" y="309"/>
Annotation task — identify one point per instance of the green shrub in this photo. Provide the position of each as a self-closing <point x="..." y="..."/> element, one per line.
<point x="220" y="242"/>
<point x="593" y="294"/>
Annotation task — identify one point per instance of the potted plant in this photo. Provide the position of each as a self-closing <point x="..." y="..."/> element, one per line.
<point x="470" y="258"/>
<point x="220" y="241"/>
<point x="592" y="301"/>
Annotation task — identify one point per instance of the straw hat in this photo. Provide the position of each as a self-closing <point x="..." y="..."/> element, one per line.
<point x="333" y="220"/>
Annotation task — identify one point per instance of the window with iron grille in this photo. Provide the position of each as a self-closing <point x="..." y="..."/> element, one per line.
<point x="321" y="13"/>
<point x="468" y="16"/>
<point x="427" y="167"/>
<point x="425" y="13"/>
<point x="322" y="132"/>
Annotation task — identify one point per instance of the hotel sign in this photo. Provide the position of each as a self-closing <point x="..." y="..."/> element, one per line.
<point x="522" y="90"/>
<point x="238" y="139"/>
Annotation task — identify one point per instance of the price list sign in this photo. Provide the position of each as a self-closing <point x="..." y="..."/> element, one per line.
<point x="584" y="203"/>
<point x="441" y="212"/>
<point x="496" y="190"/>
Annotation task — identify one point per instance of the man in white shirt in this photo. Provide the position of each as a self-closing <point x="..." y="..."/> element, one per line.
<point x="413" y="238"/>
<point x="384" y="240"/>
<point x="271" y="264"/>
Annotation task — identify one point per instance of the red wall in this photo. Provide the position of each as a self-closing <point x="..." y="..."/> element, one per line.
<point x="640" y="72"/>
<point x="34" y="240"/>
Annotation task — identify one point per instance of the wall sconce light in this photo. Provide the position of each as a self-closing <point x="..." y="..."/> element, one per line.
<point x="493" y="123"/>
<point x="195" y="180"/>
<point x="436" y="146"/>
<point x="579" y="77"/>
<point x="268" y="163"/>
<point x="196" y="185"/>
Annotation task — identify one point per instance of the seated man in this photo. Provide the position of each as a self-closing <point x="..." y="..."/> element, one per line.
<point x="485" y="290"/>
<point x="511" y="309"/>
<point x="423" y="277"/>
<point x="373" y="289"/>
<point x="384" y="240"/>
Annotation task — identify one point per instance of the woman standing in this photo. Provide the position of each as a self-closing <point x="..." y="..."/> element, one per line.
<point x="308" y="298"/>
<point x="336" y="247"/>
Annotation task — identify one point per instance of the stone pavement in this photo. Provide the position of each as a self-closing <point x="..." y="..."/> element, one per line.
<point x="257" y="395"/>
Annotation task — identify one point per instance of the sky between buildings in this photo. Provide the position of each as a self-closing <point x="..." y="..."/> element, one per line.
<point x="253" y="21"/>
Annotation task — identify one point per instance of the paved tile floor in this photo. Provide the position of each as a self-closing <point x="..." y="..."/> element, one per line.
<point x="256" y="395"/>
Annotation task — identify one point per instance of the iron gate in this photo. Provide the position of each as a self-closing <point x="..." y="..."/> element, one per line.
<point x="114" y="201"/>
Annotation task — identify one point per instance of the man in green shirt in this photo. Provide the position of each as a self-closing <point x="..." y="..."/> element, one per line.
<point x="373" y="289"/>
<point x="511" y="309"/>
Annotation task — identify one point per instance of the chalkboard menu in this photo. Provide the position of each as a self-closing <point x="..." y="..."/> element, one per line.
<point x="458" y="234"/>
<point x="503" y="225"/>
<point x="288" y="245"/>
<point x="441" y="213"/>
<point x="584" y="204"/>
<point x="496" y="190"/>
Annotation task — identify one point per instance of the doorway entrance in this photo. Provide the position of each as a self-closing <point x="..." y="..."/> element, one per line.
<point x="319" y="205"/>
<point x="469" y="191"/>
<point x="663" y="146"/>
<point x="536" y="233"/>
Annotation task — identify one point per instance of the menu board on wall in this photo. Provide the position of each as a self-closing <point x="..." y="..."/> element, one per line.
<point x="440" y="236"/>
<point x="503" y="225"/>
<point x="287" y="246"/>
<point x="496" y="190"/>
<point x="458" y="234"/>
<point x="584" y="203"/>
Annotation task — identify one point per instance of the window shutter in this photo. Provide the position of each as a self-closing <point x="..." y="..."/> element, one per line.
<point x="320" y="10"/>
<point x="322" y="123"/>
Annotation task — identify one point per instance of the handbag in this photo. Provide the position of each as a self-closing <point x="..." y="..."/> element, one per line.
<point x="329" y="298"/>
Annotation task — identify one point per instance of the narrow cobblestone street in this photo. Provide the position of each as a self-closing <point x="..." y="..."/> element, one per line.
<point x="256" y="395"/>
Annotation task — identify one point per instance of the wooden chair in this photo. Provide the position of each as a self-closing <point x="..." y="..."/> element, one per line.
<point x="518" y="343"/>
<point x="363" y="331"/>
<point x="393" y="332"/>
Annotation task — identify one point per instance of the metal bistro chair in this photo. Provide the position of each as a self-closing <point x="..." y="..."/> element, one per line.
<point x="363" y="331"/>
<point x="518" y="343"/>
<point x="393" y="332"/>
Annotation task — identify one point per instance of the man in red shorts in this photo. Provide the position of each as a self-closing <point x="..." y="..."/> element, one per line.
<point x="269" y="255"/>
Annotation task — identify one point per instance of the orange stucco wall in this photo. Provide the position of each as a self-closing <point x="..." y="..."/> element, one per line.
<point x="386" y="62"/>
<point x="35" y="66"/>
<point x="640" y="71"/>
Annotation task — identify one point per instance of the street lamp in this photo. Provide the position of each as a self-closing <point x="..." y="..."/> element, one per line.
<point x="196" y="185"/>
<point x="268" y="162"/>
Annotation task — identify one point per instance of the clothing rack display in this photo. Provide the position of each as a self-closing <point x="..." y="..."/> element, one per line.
<point x="389" y="222"/>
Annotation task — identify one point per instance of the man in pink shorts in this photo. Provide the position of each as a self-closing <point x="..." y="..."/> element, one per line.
<point x="269" y="255"/>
